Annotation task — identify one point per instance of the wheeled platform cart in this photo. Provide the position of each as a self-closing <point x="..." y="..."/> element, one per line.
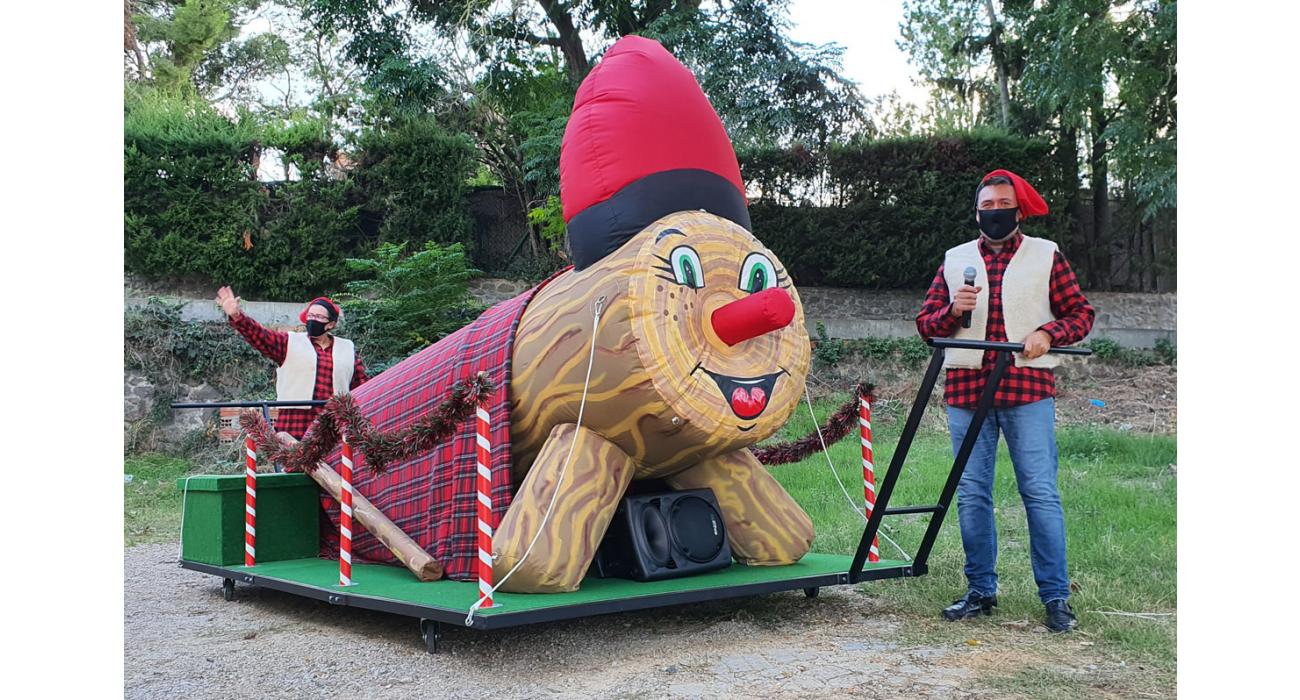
<point x="288" y="545"/>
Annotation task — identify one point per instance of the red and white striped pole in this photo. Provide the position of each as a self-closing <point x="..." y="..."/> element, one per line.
<point x="868" y="470"/>
<point x="345" y="517"/>
<point x="250" y="502"/>
<point x="484" y="508"/>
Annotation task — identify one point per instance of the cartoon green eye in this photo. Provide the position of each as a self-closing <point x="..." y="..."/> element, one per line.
<point x="757" y="273"/>
<point x="687" y="270"/>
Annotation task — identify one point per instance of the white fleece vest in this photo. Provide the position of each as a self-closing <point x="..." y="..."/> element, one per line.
<point x="1026" y="304"/>
<point x="295" y="380"/>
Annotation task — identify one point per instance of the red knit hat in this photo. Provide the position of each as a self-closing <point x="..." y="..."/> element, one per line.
<point x="322" y="301"/>
<point x="642" y="142"/>
<point x="1031" y="203"/>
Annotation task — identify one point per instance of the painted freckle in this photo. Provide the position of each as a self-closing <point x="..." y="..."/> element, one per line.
<point x="674" y="317"/>
<point x="659" y="287"/>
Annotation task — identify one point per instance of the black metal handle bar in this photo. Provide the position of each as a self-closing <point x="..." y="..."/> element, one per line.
<point x="249" y="404"/>
<point x="993" y="345"/>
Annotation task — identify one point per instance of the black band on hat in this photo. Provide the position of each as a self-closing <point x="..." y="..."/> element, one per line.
<point x="603" y="228"/>
<point x="330" y="310"/>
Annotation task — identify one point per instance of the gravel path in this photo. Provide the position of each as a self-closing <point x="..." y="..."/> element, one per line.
<point x="184" y="640"/>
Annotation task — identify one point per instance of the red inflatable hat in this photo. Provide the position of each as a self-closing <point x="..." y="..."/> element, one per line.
<point x="1031" y="203"/>
<point x="642" y="142"/>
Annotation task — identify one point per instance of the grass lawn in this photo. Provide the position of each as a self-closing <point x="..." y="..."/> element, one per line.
<point x="1119" y="493"/>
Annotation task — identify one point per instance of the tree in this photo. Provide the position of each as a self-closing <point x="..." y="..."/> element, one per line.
<point x="769" y="90"/>
<point x="1098" y="76"/>
<point x="192" y="47"/>
<point x="507" y="72"/>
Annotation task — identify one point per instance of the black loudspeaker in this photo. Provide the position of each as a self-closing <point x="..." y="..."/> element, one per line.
<point x="664" y="535"/>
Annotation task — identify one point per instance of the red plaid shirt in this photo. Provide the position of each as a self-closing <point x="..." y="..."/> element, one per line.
<point x="274" y="345"/>
<point x="1020" y="385"/>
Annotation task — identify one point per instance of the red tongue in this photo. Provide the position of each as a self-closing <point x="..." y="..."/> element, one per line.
<point x="748" y="403"/>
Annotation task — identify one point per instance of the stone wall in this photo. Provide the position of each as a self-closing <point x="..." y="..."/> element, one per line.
<point x="1130" y="319"/>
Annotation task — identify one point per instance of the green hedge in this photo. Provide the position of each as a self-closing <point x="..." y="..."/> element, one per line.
<point x="194" y="211"/>
<point x="889" y="209"/>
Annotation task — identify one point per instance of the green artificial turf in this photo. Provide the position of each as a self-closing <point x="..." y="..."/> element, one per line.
<point x="398" y="584"/>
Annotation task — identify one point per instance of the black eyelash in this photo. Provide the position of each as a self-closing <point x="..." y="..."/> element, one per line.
<point x="670" y="279"/>
<point x="665" y="268"/>
<point x="666" y="260"/>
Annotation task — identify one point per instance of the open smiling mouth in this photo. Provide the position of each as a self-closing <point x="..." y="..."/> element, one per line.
<point x="746" y="396"/>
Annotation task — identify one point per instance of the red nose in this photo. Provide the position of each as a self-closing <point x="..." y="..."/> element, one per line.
<point x="764" y="312"/>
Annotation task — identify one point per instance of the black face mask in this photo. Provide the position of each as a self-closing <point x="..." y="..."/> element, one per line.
<point x="998" y="223"/>
<point x="315" y="328"/>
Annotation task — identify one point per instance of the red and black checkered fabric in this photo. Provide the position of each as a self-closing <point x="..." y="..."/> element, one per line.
<point x="432" y="498"/>
<point x="1020" y="385"/>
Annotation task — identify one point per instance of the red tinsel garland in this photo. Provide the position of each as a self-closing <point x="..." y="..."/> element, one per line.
<point x="836" y="428"/>
<point x="341" y="415"/>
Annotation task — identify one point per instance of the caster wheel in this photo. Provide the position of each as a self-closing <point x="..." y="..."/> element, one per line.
<point x="228" y="589"/>
<point x="811" y="592"/>
<point x="431" y="632"/>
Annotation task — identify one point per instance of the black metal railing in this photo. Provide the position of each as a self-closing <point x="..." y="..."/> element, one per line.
<point x="899" y="458"/>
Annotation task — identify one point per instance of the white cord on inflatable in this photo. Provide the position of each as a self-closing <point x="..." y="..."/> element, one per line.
<point x="591" y="358"/>
<point x="835" y="474"/>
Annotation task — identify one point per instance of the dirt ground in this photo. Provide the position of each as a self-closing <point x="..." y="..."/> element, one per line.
<point x="1140" y="399"/>
<point x="185" y="640"/>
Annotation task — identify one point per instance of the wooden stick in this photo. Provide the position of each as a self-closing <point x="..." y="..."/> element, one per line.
<point x="425" y="567"/>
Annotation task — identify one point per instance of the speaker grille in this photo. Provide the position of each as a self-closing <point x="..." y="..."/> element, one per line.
<point x="697" y="528"/>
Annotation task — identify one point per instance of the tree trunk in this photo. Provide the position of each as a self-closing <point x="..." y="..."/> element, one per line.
<point x="575" y="56"/>
<point x="1100" y="239"/>
<point x="1002" y="70"/>
<point x="130" y="42"/>
<point x="1076" y="247"/>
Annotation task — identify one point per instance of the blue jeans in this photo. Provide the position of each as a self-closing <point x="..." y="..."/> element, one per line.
<point x="1030" y="432"/>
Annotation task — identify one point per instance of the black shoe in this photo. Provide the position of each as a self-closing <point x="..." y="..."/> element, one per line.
<point x="1060" y="616"/>
<point x="971" y="606"/>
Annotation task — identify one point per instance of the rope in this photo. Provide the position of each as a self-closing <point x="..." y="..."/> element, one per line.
<point x="591" y="358"/>
<point x="831" y="465"/>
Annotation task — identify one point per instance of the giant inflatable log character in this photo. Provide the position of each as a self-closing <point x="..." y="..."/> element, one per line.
<point x="700" y="351"/>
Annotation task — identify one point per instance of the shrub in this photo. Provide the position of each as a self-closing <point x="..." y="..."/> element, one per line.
<point x="1104" y="348"/>
<point x="195" y="211"/>
<point x="827" y="350"/>
<point x="889" y="208"/>
<point x="415" y="176"/>
<point x="407" y="301"/>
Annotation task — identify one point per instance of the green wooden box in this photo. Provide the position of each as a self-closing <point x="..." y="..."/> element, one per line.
<point x="288" y="525"/>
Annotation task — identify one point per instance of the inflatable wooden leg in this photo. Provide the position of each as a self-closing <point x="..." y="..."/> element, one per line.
<point x="597" y="476"/>
<point x="766" y="527"/>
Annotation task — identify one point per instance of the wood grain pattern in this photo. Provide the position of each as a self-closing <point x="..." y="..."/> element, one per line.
<point x="597" y="475"/>
<point x="654" y="408"/>
<point x="765" y="525"/>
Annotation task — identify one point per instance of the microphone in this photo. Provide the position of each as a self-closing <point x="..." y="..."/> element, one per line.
<point x="969" y="274"/>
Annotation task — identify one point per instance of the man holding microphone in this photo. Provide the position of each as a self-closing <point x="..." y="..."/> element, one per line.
<point x="1009" y="287"/>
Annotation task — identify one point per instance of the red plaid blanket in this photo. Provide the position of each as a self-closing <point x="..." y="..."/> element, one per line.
<point x="432" y="498"/>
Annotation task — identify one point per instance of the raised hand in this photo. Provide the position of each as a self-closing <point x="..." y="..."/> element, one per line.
<point x="229" y="303"/>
